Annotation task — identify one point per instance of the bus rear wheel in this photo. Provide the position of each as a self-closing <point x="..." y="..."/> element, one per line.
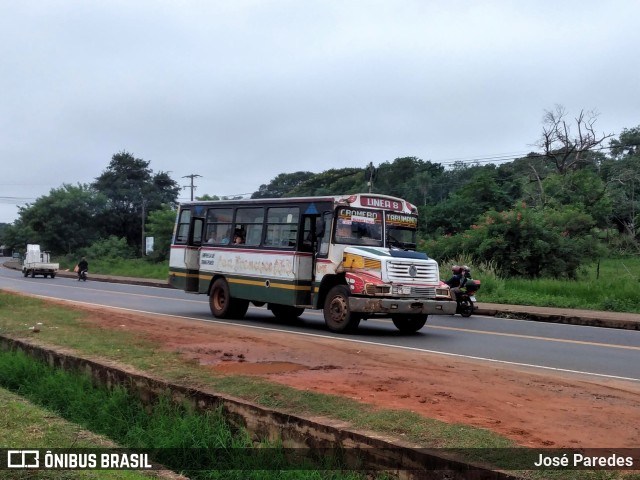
<point x="285" y="312"/>
<point x="409" y="323"/>
<point x="337" y="315"/>
<point x="223" y="305"/>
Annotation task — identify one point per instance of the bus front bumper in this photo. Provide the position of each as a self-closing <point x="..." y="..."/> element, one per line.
<point x="401" y="306"/>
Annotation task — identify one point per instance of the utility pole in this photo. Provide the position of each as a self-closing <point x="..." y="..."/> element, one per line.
<point x="142" y="249"/>
<point x="192" y="186"/>
<point x="372" y="176"/>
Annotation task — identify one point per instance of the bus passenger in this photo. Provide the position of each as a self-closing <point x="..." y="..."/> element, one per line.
<point x="224" y="238"/>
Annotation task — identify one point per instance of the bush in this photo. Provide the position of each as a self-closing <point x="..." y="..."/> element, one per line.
<point x="112" y="247"/>
<point x="524" y="242"/>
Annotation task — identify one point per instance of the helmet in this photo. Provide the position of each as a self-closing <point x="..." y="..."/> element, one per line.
<point x="456" y="269"/>
<point x="464" y="267"/>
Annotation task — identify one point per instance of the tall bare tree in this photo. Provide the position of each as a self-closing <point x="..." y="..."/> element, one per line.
<point x="567" y="143"/>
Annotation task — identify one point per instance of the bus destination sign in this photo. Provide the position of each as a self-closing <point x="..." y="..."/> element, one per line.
<point x="377" y="202"/>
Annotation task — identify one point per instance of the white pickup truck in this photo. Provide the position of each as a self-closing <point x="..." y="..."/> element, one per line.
<point x="38" y="263"/>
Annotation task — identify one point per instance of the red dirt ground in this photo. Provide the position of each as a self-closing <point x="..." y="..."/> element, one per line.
<point x="534" y="408"/>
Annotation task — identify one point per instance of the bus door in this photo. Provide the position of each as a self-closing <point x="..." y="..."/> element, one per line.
<point x="311" y="224"/>
<point x="192" y="254"/>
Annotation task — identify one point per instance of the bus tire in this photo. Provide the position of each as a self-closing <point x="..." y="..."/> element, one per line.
<point x="285" y="312"/>
<point x="337" y="315"/>
<point x="409" y="323"/>
<point x="221" y="303"/>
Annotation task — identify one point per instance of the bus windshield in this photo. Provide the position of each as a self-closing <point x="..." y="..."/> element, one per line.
<point x="401" y="230"/>
<point x="359" y="227"/>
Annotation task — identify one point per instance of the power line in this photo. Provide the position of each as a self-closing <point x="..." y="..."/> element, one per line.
<point x="510" y="157"/>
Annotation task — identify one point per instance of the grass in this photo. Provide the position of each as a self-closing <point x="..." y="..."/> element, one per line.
<point x="202" y="445"/>
<point x="64" y="327"/>
<point x="25" y="425"/>
<point x="135" y="267"/>
<point x="611" y="285"/>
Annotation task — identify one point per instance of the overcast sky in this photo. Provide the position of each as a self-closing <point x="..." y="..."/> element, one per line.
<point x="239" y="91"/>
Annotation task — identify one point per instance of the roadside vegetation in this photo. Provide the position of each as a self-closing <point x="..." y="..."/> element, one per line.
<point x="609" y="285"/>
<point x="573" y="201"/>
<point x="27" y="425"/>
<point x="199" y="445"/>
<point x="125" y="422"/>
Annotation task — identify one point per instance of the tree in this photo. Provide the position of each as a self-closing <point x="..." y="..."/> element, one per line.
<point x="408" y="177"/>
<point x="583" y="190"/>
<point x="627" y="145"/>
<point x="282" y="184"/>
<point x="565" y="149"/>
<point x="525" y="242"/>
<point x="62" y="222"/>
<point x="3" y="229"/>
<point x="160" y="226"/>
<point x="133" y="191"/>
<point x="482" y="192"/>
<point x="336" y="181"/>
<point x="622" y="176"/>
<point x="207" y="197"/>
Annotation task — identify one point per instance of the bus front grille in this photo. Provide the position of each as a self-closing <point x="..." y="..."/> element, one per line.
<point x="412" y="272"/>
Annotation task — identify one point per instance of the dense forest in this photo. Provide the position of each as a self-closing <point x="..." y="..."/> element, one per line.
<point x="575" y="199"/>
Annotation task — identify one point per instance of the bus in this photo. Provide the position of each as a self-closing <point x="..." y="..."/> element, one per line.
<point x="352" y="256"/>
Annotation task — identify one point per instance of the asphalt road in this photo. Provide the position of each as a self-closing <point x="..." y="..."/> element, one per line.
<point x="589" y="351"/>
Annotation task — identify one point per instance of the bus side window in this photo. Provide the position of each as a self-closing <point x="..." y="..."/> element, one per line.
<point x="324" y="235"/>
<point x="219" y="222"/>
<point x="282" y="227"/>
<point x="307" y="234"/>
<point x="249" y="224"/>
<point x="254" y="232"/>
<point x="198" y="228"/>
<point x="183" y="233"/>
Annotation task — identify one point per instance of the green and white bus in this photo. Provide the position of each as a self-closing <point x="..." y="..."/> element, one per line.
<point x="352" y="256"/>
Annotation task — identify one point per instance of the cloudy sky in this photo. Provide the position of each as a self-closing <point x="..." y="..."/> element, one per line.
<point x="239" y="91"/>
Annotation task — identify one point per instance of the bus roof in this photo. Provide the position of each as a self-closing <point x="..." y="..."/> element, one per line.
<point x="358" y="200"/>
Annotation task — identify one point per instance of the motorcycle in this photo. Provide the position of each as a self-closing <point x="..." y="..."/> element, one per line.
<point x="82" y="275"/>
<point x="467" y="298"/>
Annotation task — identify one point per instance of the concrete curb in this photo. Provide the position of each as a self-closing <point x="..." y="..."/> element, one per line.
<point x="589" y="318"/>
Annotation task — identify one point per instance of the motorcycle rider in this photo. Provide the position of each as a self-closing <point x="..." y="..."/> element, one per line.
<point x="83" y="267"/>
<point x="465" y="273"/>
<point x="455" y="281"/>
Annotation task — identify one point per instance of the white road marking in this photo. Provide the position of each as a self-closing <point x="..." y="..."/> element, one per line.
<point x="356" y="341"/>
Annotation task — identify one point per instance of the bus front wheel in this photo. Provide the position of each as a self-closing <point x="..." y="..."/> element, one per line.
<point x="337" y="315"/>
<point x="223" y="305"/>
